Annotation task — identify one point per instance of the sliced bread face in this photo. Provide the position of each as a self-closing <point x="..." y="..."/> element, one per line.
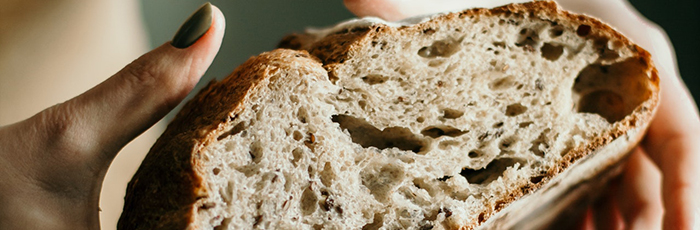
<point x="466" y="120"/>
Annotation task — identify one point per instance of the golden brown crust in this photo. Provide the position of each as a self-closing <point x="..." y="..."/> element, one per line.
<point x="163" y="192"/>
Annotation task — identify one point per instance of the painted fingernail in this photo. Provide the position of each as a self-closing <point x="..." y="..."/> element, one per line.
<point x="194" y="28"/>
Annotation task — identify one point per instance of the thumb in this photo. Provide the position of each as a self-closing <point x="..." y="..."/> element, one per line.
<point x="105" y="118"/>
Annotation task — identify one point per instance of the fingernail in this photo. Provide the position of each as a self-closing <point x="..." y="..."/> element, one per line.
<point x="194" y="28"/>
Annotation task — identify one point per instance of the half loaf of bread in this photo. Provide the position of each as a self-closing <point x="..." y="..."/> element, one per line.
<point x="477" y="119"/>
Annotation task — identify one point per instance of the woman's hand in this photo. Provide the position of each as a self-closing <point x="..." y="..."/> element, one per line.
<point x="659" y="185"/>
<point x="53" y="164"/>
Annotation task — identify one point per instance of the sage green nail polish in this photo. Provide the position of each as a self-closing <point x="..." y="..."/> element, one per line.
<point x="194" y="28"/>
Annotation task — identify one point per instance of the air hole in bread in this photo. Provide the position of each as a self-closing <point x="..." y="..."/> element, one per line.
<point x="297" y="154"/>
<point x="428" y="185"/>
<point x="502" y="83"/>
<point x="332" y="77"/>
<point x="362" y="104"/>
<point x="426" y="225"/>
<point x="256" y="151"/>
<point x="604" y="52"/>
<point x="475" y="153"/>
<point x="302" y="114"/>
<point x="487" y="136"/>
<point x="605" y="103"/>
<point x="382" y="179"/>
<point x="491" y="172"/>
<point x="377" y="222"/>
<point x="444" y="178"/>
<point x="444" y="145"/>
<point x="224" y="224"/>
<point x="440" y="48"/>
<point x="374" y="79"/>
<point x="329" y="204"/>
<point x="482" y="217"/>
<point x="288" y="180"/>
<point x="308" y="201"/>
<point x="226" y="192"/>
<point x="583" y="30"/>
<point x="366" y="135"/>
<point x="515" y="109"/>
<point x="297" y="135"/>
<point x="235" y="130"/>
<point x="539" y="84"/>
<point x="452" y="113"/>
<point x="311" y="170"/>
<point x="507" y="143"/>
<point x="216" y="171"/>
<point x="540" y="145"/>
<point x="528" y="39"/>
<point x="556" y="31"/>
<point x="551" y="51"/>
<point x="611" y="91"/>
<point x="327" y="175"/>
<point x="501" y="45"/>
<point x="525" y="124"/>
<point x="536" y="179"/>
<point x="294" y="98"/>
<point x="445" y="130"/>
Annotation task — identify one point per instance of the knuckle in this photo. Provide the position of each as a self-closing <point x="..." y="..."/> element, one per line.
<point x="56" y="120"/>
<point x="59" y="127"/>
<point x="142" y="73"/>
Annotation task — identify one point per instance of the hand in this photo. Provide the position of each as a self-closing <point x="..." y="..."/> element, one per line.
<point x="658" y="187"/>
<point x="53" y="163"/>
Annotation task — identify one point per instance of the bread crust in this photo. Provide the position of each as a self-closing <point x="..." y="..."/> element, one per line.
<point x="163" y="193"/>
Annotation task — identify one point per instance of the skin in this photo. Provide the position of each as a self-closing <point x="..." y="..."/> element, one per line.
<point x="54" y="181"/>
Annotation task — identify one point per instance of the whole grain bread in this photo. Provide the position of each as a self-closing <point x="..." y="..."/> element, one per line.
<point x="479" y="119"/>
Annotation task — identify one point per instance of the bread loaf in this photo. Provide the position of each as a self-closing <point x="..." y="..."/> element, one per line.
<point x="479" y="119"/>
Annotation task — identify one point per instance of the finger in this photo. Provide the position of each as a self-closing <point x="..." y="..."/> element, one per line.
<point x="606" y="213"/>
<point x="105" y="118"/>
<point x="678" y="158"/>
<point x="639" y="194"/>
<point x="393" y="10"/>
<point x="588" y="222"/>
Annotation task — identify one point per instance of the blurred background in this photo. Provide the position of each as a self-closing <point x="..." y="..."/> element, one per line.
<point x="29" y="47"/>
